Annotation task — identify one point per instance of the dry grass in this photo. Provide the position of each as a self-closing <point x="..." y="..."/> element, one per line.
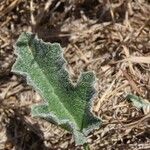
<point x="111" y="38"/>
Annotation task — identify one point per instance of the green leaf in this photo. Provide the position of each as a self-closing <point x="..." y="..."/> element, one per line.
<point x="65" y="104"/>
<point x="139" y="103"/>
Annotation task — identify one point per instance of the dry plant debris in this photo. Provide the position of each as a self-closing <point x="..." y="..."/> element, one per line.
<point x="109" y="37"/>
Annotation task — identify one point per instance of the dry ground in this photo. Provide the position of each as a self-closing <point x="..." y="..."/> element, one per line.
<point x="110" y="37"/>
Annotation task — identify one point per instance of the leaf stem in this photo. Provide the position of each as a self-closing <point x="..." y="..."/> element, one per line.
<point x="86" y="146"/>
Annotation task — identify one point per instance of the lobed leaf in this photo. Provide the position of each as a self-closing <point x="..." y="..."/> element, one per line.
<point x="65" y="104"/>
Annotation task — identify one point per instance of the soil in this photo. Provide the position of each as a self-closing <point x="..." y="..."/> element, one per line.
<point x="111" y="38"/>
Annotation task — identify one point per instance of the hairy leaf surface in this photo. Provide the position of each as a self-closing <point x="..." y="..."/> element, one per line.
<point x="65" y="104"/>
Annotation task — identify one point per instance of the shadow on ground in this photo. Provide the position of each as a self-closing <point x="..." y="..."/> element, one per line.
<point x="22" y="137"/>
